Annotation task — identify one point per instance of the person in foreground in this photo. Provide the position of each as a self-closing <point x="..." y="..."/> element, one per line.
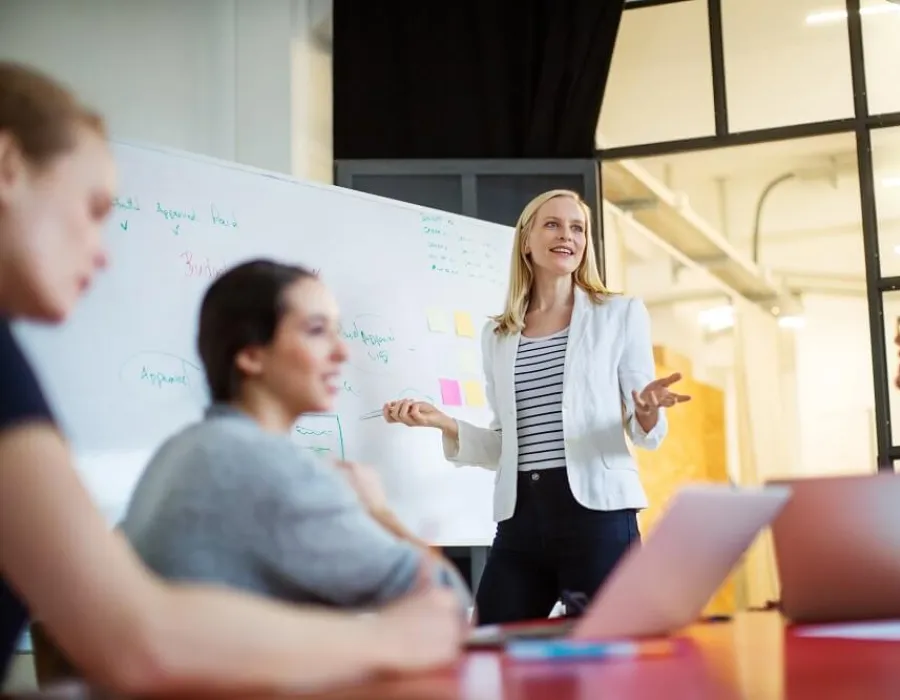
<point x="565" y="364"/>
<point x="120" y="624"/>
<point x="233" y="499"/>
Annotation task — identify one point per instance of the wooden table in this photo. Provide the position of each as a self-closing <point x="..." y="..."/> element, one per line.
<point x="753" y="658"/>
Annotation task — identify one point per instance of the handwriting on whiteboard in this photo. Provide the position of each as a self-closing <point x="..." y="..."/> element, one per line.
<point x="220" y="219"/>
<point x="154" y="375"/>
<point x="127" y="203"/>
<point x="160" y="379"/>
<point x="450" y="252"/>
<point x="200" y="266"/>
<point x="179" y="215"/>
<point x="348" y="388"/>
<point x="415" y="394"/>
<point x="176" y="214"/>
<point x="371" y="340"/>
<point x="320" y="433"/>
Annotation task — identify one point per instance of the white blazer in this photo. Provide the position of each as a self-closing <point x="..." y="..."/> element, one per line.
<point x="609" y="354"/>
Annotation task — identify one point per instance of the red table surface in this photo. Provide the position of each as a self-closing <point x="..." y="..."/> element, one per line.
<point x="755" y="657"/>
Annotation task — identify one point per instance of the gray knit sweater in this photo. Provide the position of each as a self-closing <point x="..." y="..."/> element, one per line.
<point x="223" y="501"/>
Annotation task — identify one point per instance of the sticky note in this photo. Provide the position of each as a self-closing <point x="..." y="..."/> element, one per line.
<point x="464" y="325"/>
<point x="450" y="394"/>
<point x="474" y="393"/>
<point x="468" y="361"/>
<point x="438" y="322"/>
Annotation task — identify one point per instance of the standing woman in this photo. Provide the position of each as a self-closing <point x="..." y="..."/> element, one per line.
<point x="565" y="364"/>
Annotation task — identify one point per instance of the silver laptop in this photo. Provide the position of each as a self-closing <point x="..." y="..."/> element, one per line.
<point x="837" y="548"/>
<point x="663" y="584"/>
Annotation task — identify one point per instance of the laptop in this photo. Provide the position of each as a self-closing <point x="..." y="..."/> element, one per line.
<point x="837" y="548"/>
<point x="663" y="584"/>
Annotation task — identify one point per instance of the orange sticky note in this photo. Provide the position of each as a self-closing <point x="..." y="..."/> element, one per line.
<point x="474" y="393"/>
<point x="464" y="325"/>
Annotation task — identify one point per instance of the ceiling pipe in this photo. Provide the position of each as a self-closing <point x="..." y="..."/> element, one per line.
<point x="670" y="222"/>
<point x="829" y="173"/>
<point x="759" y="207"/>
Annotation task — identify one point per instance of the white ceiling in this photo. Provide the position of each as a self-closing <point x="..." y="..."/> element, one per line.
<point x="810" y="227"/>
<point x="817" y="153"/>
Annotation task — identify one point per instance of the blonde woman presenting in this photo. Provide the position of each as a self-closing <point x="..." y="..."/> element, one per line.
<point x="565" y="363"/>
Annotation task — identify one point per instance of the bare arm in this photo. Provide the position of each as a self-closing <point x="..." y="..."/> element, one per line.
<point x="127" y="629"/>
<point x="435" y="566"/>
<point x="390" y="522"/>
<point x="366" y="482"/>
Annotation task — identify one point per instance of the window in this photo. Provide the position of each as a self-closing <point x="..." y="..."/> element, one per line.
<point x="659" y="86"/>
<point x="786" y="62"/>
<point x="804" y="383"/>
<point x="881" y="52"/>
<point x="886" y="171"/>
<point x="892" y="353"/>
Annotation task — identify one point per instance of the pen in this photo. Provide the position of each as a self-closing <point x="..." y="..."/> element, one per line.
<point x="552" y="649"/>
<point x="716" y="618"/>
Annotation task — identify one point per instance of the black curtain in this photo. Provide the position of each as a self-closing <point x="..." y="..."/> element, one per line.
<point x="470" y="78"/>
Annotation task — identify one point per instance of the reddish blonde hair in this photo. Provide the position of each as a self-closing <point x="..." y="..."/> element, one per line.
<point x="42" y="115"/>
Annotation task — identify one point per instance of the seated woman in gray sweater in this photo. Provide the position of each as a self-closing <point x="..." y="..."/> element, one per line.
<point x="233" y="500"/>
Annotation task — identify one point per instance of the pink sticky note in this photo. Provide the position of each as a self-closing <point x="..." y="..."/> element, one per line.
<point x="450" y="393"/>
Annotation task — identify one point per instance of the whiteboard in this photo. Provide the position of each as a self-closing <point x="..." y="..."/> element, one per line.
<point x="415" y="287"/>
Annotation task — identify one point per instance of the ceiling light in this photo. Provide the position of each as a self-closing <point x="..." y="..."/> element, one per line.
<point x="717" y="318"/>
<point x="833" y="16"/>
<point x="791" y="321"/>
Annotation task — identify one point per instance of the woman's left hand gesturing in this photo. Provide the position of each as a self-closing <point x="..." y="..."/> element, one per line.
<point x="654" y="396"/>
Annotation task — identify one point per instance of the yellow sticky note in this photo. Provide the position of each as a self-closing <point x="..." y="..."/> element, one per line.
<point x="468" y="361"/>
<point x="464" y="325"/>
<point x="438" y="321"/>
<point x="474" y="393"/>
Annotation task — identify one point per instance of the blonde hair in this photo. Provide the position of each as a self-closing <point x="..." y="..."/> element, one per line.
<point x="521" y="272"/>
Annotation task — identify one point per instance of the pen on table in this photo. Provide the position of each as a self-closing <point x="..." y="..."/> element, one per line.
<point x="716" y="618"/>
<point x="552" y="649"/>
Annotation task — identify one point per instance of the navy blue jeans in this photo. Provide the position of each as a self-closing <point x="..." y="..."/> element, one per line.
<point x="551" y="545"/>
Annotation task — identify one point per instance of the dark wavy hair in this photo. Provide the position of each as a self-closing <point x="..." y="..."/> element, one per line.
<point x="243" y="307"/>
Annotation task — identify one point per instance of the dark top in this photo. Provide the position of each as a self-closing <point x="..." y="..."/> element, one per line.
<point x="21" y="399"/>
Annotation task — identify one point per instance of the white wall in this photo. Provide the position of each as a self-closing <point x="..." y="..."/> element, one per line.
<point x="243" y="80"/>
<point x="312" y="154"/>
<point x="834" y="386"/>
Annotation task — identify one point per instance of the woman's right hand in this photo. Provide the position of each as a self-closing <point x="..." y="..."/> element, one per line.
<point x="416" y="414"/>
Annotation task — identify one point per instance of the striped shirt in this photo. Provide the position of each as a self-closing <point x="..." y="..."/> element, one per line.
<point x="539" y="387"/>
